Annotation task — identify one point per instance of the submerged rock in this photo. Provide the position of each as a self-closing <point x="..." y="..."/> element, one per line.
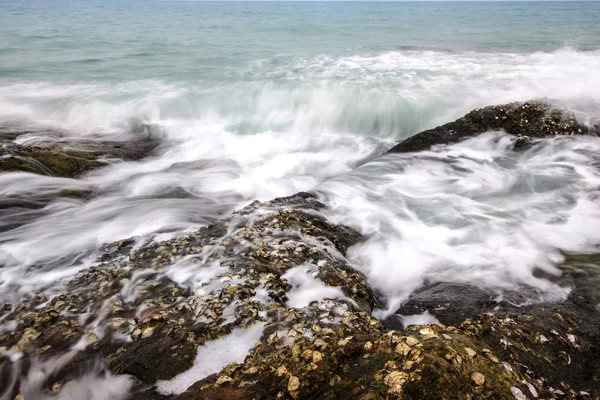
<point x="69" y="159"/>
<point x="535" y="119"/>
<point x="53" y="161"/>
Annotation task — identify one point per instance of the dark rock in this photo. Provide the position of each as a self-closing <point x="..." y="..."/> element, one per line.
<point x="223" y="393"/>
<point x="131" y="150"/>
<point x="449" y="303"/>
<point x="536" y="119"/>
<point x="158" y="357"/>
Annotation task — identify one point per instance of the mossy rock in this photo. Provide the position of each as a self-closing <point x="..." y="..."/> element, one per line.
<point x="52" y="161"/>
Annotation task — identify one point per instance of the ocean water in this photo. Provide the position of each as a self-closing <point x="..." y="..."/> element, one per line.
<point x="255" y="100"/>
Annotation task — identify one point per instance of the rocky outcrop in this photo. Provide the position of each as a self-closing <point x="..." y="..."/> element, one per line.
<point x="137" y="312"/>
<point x="488" y="356"/>
<point x="576" y="317"/>
<point x="535" y="119"/>
<point x="151" y="326"/>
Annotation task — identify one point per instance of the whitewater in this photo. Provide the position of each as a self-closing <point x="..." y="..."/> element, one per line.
<point x="222" y="148"/>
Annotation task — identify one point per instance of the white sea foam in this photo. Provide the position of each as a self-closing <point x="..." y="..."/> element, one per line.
<point x="386" y="96"/>
<point x="212" y="357"/>
<point x="418" y="319"/>
<point x="475" y="212"/>
<point x="307" y="288"/>
<point x="90" y="387"/>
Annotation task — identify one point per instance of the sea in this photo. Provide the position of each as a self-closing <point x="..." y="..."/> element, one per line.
<point x="252" y="100"/>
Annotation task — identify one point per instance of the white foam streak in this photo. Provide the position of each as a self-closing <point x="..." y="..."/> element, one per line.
<point x="91" y="387"/>
<point x="418" y="319"/>
<point x="214" y="356"/>
<point x="307" y="288"/>
<point x="475" y="213"/>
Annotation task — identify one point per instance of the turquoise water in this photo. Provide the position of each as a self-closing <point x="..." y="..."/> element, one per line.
<point x="190" y="40"/>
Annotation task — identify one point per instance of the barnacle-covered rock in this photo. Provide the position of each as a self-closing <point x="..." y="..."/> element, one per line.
<point x="132" y="310"/>
<point x="533" y="119"/>
<point x="364" y="361"/>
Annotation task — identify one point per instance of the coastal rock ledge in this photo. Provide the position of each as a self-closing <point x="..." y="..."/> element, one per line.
<point x="263" y="304"/>
<point x="532" y="119"/>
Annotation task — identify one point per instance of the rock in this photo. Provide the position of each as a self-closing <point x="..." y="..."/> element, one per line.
<point x="226" y="394"/>
<point x="130" y="150"/>
<point x="436" y="367"/>
<point x="159" y="357"/>
<point x="64" y="159"/>
<point x="534" y="119"/>
<point x="174" y="322"/>
<point x="453" y="304"/>
<point x="53" y="160"/>
<point x="449" y="303"/>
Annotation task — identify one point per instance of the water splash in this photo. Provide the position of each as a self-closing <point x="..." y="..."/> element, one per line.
<point x="477" y="212"/>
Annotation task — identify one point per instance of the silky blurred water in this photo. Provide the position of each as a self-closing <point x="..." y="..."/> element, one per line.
<point x="256" y="100"/>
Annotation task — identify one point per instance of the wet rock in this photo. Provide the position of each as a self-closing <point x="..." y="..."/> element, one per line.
<point x="137" y="321"/>
<point x="67" y="159"/>
<point x="485" y="357"/>
<point x="131" y="150"/>
<point x="143" y="324"/>
<point x="53" y="160"/>
<point x="551" y="335"/>
<point x="148" y="359"/>
<point x="534" y="119"/>
<point x="225" y="394"/>
<point x="449" y="303"/>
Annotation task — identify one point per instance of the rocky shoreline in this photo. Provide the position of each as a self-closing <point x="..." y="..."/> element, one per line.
<point x="275" y="275"/>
